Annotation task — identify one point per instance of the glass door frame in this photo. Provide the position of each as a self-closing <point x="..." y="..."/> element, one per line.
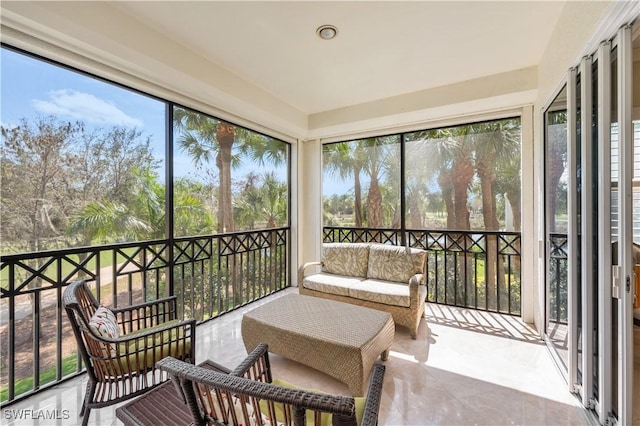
<point x="550" y="107"/>
<point x="623" y="41"/>
<point x="606" y="270"/>
<point x="587" y="234"/>
<point x="612" y="281"/>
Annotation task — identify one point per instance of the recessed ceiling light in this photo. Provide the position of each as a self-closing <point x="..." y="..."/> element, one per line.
<point x="327" y="32"/>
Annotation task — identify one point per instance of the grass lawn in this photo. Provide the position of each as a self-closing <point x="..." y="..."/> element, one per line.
<point x="49" y="375"/>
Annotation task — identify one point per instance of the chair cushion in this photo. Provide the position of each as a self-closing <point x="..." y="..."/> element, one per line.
<point x="326" y="419"/>
<point x="394" y="263"/>
<point x="349" y="259"/>
<point x="142" y="354"/>
<point x="329" y="283"/>
<point x="103" y="323"/>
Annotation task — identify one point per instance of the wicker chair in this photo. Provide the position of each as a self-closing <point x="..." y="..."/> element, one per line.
<point x="122" y="365"/>
<point x="247" y="396"/>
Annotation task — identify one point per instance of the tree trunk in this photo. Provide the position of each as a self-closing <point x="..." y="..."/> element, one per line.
<point x="374" y="203"/>
<point x="444" y="180"/>
<point x="514" y="202"/>
<point x="462" y="174"/>
<point x="486" y="175"/>
<point x="225" y="135"/>
<point x="357" y="189"/>
<point x="395" y="222"/>
<point x="416" y="214"/>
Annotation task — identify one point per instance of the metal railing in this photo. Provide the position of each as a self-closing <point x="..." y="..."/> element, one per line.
<point x="558" y="278"/>
<point x="473" y="269"/>
<point x="210" y="275"/>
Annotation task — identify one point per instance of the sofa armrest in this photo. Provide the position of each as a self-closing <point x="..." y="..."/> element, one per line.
<point x="414" y="294"/>
<point x="417" y="279"/>
<point x="302" y="269"/>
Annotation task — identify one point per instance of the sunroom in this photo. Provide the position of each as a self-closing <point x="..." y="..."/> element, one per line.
<point x="207" y="150"/>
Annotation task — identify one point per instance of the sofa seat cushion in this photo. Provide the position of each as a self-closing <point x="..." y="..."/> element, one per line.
<point x="385" y="292"/>
<point x="345" y="259"/>
<point x="330" y="283"/>
<point x="394" y="263"/>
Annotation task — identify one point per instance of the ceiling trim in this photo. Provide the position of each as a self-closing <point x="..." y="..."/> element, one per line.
<point x="488" y="93"/>
<point x="450" y="115"/>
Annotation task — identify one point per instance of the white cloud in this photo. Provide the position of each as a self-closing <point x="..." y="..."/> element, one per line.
<point x="84" y="106"/>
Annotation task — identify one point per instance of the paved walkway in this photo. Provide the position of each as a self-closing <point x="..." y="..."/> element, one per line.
<point x="48" y="297"/>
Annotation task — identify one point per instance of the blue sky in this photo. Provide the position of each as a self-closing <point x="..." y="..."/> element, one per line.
<point x="32" y="88"/>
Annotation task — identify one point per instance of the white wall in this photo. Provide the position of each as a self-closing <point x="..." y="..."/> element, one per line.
<point x="309" y="196"/>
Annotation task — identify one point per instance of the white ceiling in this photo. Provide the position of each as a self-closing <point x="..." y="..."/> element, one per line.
<point x="383" y="49"/>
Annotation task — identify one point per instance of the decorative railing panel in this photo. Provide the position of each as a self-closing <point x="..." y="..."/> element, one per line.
<point x="474" y="269"/>
<point x="210" y="275"/>
<point x="558" y="278"/>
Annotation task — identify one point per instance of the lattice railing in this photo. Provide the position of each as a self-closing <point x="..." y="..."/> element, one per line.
<point x="558" y="278"/>
<point x="210" y="275"/>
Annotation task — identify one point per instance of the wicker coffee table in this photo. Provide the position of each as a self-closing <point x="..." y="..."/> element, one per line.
<point x="339" y="339"/>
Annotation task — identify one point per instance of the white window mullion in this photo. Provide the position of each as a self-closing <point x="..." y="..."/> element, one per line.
<point x="587" y="219"/>
<point x="573" y="248"/>
<point x="625" y="203"/>
<point x="604" y="231"/>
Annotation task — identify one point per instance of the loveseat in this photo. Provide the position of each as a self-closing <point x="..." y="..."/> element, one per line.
<point x="379" y="276"/>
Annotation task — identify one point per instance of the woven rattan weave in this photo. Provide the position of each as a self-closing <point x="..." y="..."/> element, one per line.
<point x="339" y="339"/>
<point x="246" y="396"/>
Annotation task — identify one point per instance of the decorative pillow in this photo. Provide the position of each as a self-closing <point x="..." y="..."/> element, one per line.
<point x="348" y="259"/>
<point x="326" y="418"/>
<point x="395" y="263"/>
<point x="103" y="323"/>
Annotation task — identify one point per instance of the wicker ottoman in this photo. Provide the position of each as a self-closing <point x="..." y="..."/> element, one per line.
<point x="339" y="339"/>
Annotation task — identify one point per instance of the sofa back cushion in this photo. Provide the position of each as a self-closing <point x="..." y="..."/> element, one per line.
<point x="395" y="263"/>
<point x="350" y="259"/>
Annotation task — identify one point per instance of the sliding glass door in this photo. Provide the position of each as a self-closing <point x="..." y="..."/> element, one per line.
<point x="589" y="169"/>
<point x="557" y="228"/>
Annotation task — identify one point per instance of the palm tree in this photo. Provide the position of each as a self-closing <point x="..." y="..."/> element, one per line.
<point x="345" y="160"/>
<point x="374" y="166"/>
<point x="446" y="154"/>
<point x="204" y="138"/>
<point x="352" y="159"/>
<point x="274" y="201"/>
<point x="191" y="215"/>
<point x="141" y="217"/>
<point x="494" y="143"/>
<point x="108" y="221"/>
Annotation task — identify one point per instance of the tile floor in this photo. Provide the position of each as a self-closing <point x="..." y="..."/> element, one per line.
<point x="466" y="368"/>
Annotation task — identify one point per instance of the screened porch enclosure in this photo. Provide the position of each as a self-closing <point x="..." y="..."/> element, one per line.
<point x="193" y="206"/>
